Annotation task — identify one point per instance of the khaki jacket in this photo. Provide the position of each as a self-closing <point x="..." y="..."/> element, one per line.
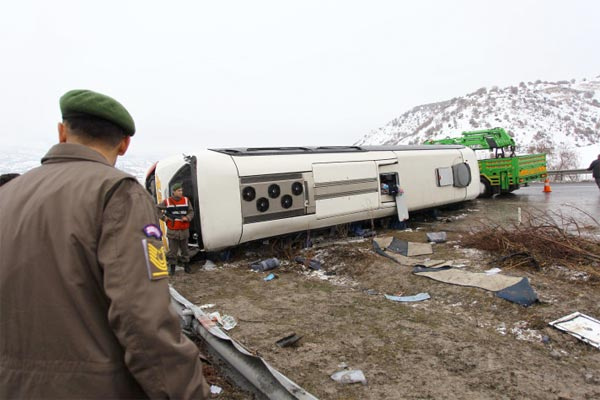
<point x="79" y="315"/>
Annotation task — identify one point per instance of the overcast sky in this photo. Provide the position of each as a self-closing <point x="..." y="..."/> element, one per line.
<point x="198" y="74"/>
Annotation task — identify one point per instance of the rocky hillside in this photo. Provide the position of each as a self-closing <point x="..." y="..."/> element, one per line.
<point x="560" y="118"/>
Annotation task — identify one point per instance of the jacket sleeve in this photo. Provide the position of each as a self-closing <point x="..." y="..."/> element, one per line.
<point x="164" y="362"/>
<point x="190" y="213"/>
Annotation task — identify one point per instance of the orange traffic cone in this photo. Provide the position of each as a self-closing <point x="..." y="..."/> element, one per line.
<point x="547" y="188"/>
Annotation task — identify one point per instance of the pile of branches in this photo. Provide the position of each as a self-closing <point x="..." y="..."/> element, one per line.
<point x="541" y="239"/>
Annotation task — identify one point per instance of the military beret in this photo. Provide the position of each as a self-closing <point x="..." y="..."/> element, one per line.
<point x="176" y="186"/>
<point x="81" y="103"/>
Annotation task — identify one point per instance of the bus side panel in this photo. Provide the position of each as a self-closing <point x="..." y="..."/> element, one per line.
<point x="418" y="178"/>
<point x="345" y="188"/>
<point x="219" y="200"/>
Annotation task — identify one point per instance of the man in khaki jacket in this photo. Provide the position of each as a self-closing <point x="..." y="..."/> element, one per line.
<point x="84" y="303"/>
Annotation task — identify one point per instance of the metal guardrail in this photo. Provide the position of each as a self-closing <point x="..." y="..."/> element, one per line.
<point x="569" y="172"/>
<point x="264" y="380"/>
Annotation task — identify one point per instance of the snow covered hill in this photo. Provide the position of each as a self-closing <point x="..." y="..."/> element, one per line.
<point x="559" y="118"/>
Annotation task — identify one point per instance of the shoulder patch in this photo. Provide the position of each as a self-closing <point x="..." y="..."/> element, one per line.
<point x="156" y="261"/>
<point x="152" y="230"/>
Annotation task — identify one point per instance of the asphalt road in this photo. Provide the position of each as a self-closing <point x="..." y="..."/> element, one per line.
<point x="580" y="201"/>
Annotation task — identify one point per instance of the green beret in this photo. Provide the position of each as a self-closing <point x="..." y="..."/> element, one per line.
<point x="176" y="186"/>
<point x="81" y="103"/>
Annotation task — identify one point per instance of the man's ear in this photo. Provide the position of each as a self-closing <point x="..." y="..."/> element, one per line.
<point x="62" y="134"/>
<point x="124" y="145"/>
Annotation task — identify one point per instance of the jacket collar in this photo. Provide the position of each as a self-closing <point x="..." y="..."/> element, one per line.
<point x="72" y="151"/>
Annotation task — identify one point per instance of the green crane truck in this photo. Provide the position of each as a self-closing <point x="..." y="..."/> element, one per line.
<point x="505" y="172"/>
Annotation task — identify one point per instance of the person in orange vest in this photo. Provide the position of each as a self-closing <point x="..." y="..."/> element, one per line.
<point x="177" y="212"/>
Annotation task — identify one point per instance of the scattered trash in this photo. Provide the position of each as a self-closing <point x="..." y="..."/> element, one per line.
<point x="343" y="365"/>
<point x="409" y="249"/>
<point x="265" y="265"/>
<point x="371" y="292"/>
<point x="359" y="231"/>
<point x="313" y="264"/>
<point x="581" y="326"/>
<point x="493" y="271"/>
<point x="209" y="266"/>
<point x="290" y="340"/>
<point x="436" y="237"/>
<point x="545" y="339"/>
<point x="226" y="321"/>
<point x="350" y="376"/>
<point x="214" y="389"/>
<point x="511" y="288"/>
<point x="270" y="277"/>
<point x="409" y="299"/>
<point x="205" y="306"/>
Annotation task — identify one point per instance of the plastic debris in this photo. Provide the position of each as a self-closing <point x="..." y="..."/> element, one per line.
<point x="205" y="306"/>
<point x="437" y="237"/>
<point x="359" y="231"/>
<point x="493" y="271"/>
<point x="350" y="376"/>
<point x="290" y="340"/>
<point x="265" y="265"/>
<point x="313" y="264"/>
<point x="214" y="389"/>
<point x="209" y="266"/>
<point x="581" y="326"/>
<point x="409" y="299"/>
<point x="228" y="322"/>
<point x="270" y="277"/>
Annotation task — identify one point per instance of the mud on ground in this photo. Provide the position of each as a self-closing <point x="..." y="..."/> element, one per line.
<point x="463" y="343"/>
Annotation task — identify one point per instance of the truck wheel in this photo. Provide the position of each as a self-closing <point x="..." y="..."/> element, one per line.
<point x="487" y="191"/>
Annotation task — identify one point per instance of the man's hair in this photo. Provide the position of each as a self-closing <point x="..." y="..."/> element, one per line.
<point x="95" y="130"/>
<point x="4" y="178"/>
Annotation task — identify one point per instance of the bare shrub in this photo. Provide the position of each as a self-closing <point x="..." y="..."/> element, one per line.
<point x="543" y="239"/>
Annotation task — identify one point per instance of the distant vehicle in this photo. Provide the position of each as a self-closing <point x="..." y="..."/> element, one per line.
<point x="245" y="194"/>
<point x="504" y="172"/>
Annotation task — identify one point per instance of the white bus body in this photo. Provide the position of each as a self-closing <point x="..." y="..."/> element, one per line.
<point x="240" y="195"/>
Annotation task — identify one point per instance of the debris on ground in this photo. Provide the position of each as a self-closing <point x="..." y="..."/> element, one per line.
<point x="511" y="288"/>
<point x="289" y="340"/>
<point x="472" y="338"/>
<point x="437" y="237"/>
<point x="403" y="247"/>
<point x="209" y="266"/>
<point x="493" y="271"/>
<point x="265" y="265"/>
<point x="270" y="277"/>
<point x="361" y="232"/>
<point x="409" y="299"/>
<point x="214" y="389"/>
<point x="227" y="322"/>
<point x="581" y="326"/>
<point x="312" y="263"/>
<point x="350" y="376"/>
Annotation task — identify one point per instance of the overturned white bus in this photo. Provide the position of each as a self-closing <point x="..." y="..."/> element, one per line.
<point x="244" y="194"/>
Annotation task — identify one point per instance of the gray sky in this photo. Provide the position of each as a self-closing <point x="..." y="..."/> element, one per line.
<point x="198" y="74"/>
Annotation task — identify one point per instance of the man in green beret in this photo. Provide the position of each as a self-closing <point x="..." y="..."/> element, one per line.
<point x="85" y="306"/>
<point x="177" y="212"/>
